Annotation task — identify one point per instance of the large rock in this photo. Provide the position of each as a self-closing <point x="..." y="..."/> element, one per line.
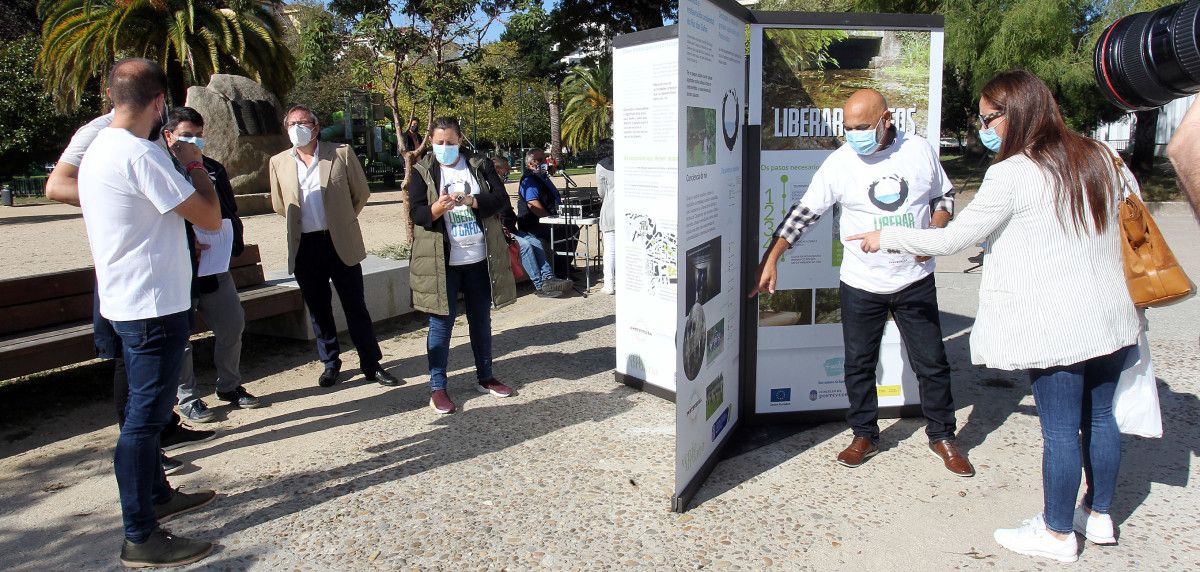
<point x="243" y="128"/>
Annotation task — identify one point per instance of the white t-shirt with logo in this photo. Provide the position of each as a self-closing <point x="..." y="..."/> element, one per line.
<point x="893" y="187"/>
<point x="128" y="189"/>
<point x="466" y="236"/>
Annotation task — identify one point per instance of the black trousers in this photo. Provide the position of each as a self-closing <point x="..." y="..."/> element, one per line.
<point x="568" y="238"/>
<point x="864" y="316"/>
<point x="317" y="264"/>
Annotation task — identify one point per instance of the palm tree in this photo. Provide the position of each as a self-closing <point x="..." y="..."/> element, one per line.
<point x="587" y="117"/>
<point x="191" y="39"/>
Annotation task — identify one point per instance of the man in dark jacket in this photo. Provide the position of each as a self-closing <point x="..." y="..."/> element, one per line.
<point x="213" y="294"/>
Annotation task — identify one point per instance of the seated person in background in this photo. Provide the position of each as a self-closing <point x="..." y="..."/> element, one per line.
<point x="533" y="254"/>
<point x="537" y="198"/>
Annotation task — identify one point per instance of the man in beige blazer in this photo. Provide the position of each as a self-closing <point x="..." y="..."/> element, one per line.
<point x="320" y="188"/>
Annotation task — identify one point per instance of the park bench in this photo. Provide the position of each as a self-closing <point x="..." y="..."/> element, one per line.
<point x="46" y="320"/>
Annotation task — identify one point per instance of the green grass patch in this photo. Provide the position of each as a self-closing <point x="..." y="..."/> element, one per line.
<point x="398" y="251"/>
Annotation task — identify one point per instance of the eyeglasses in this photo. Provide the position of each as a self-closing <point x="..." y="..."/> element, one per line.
<point x="305" y="123"/>
<point x="984" y="120"/>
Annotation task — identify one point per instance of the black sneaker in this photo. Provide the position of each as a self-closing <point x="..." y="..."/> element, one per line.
<point x="239" y="398"/>
<point x="183" y="436"/>
<point x="171" y="465"/>
<point x="181" y="502"/>
<point x="162" y="548"/>
<point x="548" y="293"/>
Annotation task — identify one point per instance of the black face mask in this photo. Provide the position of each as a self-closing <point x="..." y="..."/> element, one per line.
<point x="156" y="131"/>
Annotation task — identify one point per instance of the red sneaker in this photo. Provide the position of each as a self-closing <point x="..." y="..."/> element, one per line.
<point x="494" y="387"/>
<point x="440" y="401"/>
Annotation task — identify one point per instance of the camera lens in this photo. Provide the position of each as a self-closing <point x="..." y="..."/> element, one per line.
<point x="1147" y="59"/>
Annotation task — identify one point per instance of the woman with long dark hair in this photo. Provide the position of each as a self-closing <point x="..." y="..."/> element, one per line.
<point x="1052" y="299"/>
<point x="458" y="246"/>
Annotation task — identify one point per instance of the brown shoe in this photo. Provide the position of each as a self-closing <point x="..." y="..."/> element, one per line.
<point x="860" y="449"/>
<point x="954" y="459"/>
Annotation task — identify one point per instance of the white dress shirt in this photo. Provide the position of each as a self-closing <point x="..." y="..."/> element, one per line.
<point x="312" y="198"/>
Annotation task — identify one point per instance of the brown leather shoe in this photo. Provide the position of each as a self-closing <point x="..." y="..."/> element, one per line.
<point x="956" y="462"/>
<point x="860" y="449"/>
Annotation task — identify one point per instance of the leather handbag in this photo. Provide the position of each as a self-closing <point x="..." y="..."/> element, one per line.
<point x="1152" y="274"/>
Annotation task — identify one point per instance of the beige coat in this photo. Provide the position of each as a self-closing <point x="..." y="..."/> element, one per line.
<point x="344" y="185"/>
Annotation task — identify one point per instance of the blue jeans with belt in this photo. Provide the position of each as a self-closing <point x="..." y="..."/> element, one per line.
<point x="474" y="281"/>
<point x="1071" y="400"/>
<point x="153" y="351"/>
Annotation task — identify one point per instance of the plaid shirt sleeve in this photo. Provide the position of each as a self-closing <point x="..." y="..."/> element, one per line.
<point x="799" y="218"/>
<point x="944" y="202"/>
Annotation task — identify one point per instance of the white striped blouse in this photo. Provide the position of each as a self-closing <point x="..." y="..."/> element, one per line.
<point x="1050" y="296"/>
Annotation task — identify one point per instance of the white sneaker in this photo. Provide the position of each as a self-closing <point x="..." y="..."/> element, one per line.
<point x="1034" y="539"/>
<point x="1097" y="528"/>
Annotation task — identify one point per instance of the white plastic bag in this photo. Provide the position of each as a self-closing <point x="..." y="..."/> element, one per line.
<point x="1135" y="404"/>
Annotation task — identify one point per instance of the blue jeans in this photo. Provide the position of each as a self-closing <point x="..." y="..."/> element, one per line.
<point x="153" y="350"/>
<point x="533" y="258"/>
<point x="474" y="282"/>
<point x="1071" y="400"/>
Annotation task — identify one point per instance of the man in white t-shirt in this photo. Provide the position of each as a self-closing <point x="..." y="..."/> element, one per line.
<point x="63" y="186"/>
<point x="881" y="177"/>
<point x="134" y="204"/>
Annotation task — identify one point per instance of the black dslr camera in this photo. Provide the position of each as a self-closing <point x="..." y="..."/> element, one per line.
<point x="1145" y="60"/>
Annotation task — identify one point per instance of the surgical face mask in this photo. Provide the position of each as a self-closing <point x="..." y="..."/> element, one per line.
<point x="445" y="154"/>
<point x="990" y="139"/>
<point x="300" y="135"/>
<point x="156" y="131"/>
<point x="864" y="141"/>
<point x="197" y="141"/>
<point x="544" y="167"/>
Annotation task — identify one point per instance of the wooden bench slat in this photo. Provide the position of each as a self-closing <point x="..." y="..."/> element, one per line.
<point x="246" y="276"/>
<point x="18" y="291"/>
<point x="250" y="257"/>
<point x="46" y="313"/>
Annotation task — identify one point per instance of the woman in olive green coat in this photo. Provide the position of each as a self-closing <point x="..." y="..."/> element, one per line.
<point x="458" y="246"/>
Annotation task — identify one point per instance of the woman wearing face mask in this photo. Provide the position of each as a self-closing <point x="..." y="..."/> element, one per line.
<point x="1052" y="300"/>
<point x="458" y="246"/>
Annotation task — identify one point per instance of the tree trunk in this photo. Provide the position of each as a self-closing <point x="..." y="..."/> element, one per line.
<point x="1141" y="162"/>
<point x="554" y="101"/>
<point x="396" y="125"/>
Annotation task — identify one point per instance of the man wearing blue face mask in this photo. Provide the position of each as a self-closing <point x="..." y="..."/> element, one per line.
<point x="881" y="177"/>
<point x="537" y="197"/>
<point x="213" y="295"/>
<point x="321" y="188"/>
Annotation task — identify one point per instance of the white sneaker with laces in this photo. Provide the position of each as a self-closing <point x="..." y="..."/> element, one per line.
<point x="1034" y="539"/>
<point x="1097" y="528"/>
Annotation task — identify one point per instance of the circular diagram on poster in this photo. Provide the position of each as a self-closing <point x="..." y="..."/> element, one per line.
<point x="693" y="342"/>
<point x="731" y="114"/>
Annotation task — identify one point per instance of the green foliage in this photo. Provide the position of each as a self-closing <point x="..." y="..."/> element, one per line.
<point x="397" y="251"/>
<point x="191" y="39"/>
<point x="587" y="116"/>
<point x="32" y="131"/>
<point x="325" y="59"/>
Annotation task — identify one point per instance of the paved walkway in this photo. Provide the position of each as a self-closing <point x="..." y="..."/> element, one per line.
<point x="575" y="472"/>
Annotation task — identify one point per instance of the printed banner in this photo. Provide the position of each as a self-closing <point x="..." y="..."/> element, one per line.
<point x="646" y="177"/>
<point x="800" y="79"/>
<point x="712" y="79"/>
